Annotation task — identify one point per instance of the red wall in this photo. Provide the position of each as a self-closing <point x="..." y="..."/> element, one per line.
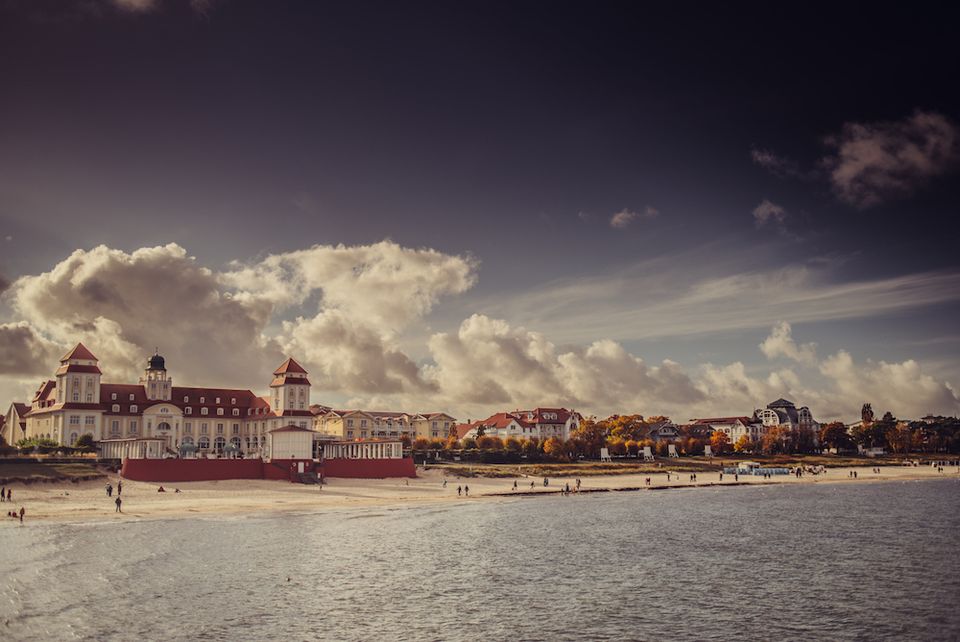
<point x="369" y="468"/>
<point x="184" y="470"/>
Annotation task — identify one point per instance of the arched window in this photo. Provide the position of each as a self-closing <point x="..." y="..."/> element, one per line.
<point x="188" y="410"/>
<point x="115" y="408"/>
<point x="204" y="443"/>
<point x="73" y="438"/>
<point x="163" y="426"/>
<point x="236" y="412"/>
<point x="219" y="412"/>
<point x="204" y="411"/>
<point x="133" y="407"/>
<point x="218" y="444"/>
<point x="187" y="440"/>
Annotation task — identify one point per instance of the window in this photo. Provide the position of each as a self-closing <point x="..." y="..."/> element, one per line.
<point x="188" y="428"/>
<point x="301" y="405"/>
<point x="219" y="443"/>
<point x="233" y="401"/>
<point x="217" y="401"/>
<point x="204" y="443"/>
<point x="186" y="399"/>
<point x="350" y="423"/>
<point x="303" y="424"/>
<point x="76" y="395"/>
<point x="363" y="423"/>
<point x="203" y="400"/>
<point x="113" y="396"/>
<point x="219" y="429"/>
<point x="203" y="429"/>
<point x="133" y="426"/>
<point x="133" y="407"/>
<point x="235" y="429"/>
<point x="115" y="408"/>
<point x="204" y="411"/>
<point x="236" y="412"/>
<point x="132" y="397"/>
<point x="114" y="427"/>
<point x="74" y="420"/>
<point x="188" y="410"/>
<point x="219" y="412"/>
<point x="164" y="410"/>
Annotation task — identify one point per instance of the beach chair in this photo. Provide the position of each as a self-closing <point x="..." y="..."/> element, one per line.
<point x="672" y="450"/>
<point x="707" y="451"/>
<point x="605" y="454"/>
<point x="647" y="455"/>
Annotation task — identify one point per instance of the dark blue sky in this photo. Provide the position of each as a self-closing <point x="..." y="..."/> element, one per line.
<point x="513" y="131"/>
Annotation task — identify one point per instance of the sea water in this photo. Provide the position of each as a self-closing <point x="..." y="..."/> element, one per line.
<point x="871" y="561"/>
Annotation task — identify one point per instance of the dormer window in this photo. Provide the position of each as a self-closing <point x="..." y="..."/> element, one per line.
<point x="204" y="411"/>
<point x="115" y="407"/>
<point x="186" y="399"/>
<point x="217" y="401"/>
<point x="233" y="401"/>
<point x="133" y="408"/>
<point x="113" y="396"/>
<point x="188" y="410"/>
<point x="220" y="412"/>
<point x="132" y="397"/>
<point x="236" y="412"/>
<point x="203" y="399"/>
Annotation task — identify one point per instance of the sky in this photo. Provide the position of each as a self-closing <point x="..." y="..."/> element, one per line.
<point x="482" y="206"/>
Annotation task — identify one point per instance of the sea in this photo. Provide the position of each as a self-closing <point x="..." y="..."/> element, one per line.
<point x="871" y="561"/>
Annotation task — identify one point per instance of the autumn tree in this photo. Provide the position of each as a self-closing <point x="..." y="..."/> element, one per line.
<point x="835" y="435"/>
<point x="592" y="434"/>
<point x="719" y="442"/>
<point x="743" y="444"/>
<point x="421" y="443"/>
<point x="512" y="444"/>
<point x="553" y="447"/>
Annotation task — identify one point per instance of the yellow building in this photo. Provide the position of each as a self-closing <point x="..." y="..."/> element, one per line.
<point x="366" y="424"/>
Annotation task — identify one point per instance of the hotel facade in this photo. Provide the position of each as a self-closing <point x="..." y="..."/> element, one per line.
<point x="203" y="420"/>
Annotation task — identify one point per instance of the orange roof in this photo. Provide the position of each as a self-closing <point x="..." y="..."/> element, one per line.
<point x="79" y="352"/>
<point x="290" y="365"/>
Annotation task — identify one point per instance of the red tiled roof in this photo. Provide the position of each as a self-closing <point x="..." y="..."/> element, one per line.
<point x="73" y="367"/>
<point x="721" y="420"/>
<point x="290" y="365"/>
<point x="279" y="381"/>
<point x="79" y="352"/>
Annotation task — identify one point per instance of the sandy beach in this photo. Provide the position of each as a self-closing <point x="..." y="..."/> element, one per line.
<point x="87" y="501"/>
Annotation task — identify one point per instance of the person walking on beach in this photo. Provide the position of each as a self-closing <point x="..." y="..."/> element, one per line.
<point x="531" y="485"/>
<point x="444" y="483"/>
<point x="459" y="491"/>
<point x="22" y="511"/>
<point x="721" y="475"/>
<point x="9" y="494"/>
<point x="466" y="490"/>
<point x="736" y="476"/>
<point x="119" y="488"/>
<point x="109" y="490"/>
<point x="117" y="501"/>
<point x="546" y="482"/>
<point x="3" y="494"/>
<point x="578" y="484"/>
<point x="514" y="484"/>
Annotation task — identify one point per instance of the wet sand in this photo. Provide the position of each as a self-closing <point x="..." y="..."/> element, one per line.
<point x="87" y="501"/>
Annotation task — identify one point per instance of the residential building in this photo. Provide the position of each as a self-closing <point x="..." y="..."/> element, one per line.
<point x="541" y="423"/>
<point x="370" y="424"/>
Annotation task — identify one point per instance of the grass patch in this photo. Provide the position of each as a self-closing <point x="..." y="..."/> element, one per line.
<point x="28" y="473"/>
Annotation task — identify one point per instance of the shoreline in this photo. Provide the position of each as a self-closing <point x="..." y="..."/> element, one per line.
<point x="86" y="502"/>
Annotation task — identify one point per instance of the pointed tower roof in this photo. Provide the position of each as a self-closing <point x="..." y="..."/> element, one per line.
<point x="79" y="352"/>
<point x="288" y="366"/>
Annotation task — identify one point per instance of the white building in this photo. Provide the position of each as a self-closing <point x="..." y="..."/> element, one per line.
<point x="541" y="423"/>
<point x="205" y="420"/>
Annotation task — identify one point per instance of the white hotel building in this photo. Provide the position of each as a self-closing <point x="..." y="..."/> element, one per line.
<point x="203" y="420"/>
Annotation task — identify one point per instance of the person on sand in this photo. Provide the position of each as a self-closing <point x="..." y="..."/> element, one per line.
<point x="532" y="485"/>
<point x="161" y="490"/>
<point x="117" y="501"/>
<point x="177" y="490"/>
<point x="466" y="490"/>
<point x="546" y="482"/>
<point x="721" y="476"/>
<point x="459" y="491"/>
<point x="578" y="484"/>
<point x="444" y="483"/>
<point x="109" y="490"/>
<point x="736" y="476"/>
<point x="9" y="494"/>
<point x="119" y="487"/>
<point x="3" y="494"/>
<point x="566" y="488"/>
<point x="514" y="484"/>
<point x="22" y="511"/>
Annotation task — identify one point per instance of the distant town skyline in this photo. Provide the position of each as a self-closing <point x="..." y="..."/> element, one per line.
<point x="484" y="206"/>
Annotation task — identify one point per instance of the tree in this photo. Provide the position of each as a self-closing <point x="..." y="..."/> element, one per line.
<point x="553" y="447"/>
<point x="481" y="431"/>
<point x="743" y="444"/>
<point x="468" y="442"/>
<point x="592" y="435"/>
<point x="835" y="435"/>
<point x="485" y="442"/>
<point x="512" y="444"/>
<point x="719" y="442"/>
<point x="421" y="443"/>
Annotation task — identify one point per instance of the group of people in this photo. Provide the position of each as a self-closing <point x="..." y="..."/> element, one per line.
<point x="6" y="495"/>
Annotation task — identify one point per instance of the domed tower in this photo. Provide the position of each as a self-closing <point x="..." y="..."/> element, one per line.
<point x="155" y="381"/>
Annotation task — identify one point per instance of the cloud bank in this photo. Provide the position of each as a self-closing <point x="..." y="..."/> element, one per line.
<point x="347" y="311"/>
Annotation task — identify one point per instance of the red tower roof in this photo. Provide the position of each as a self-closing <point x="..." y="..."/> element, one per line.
<point x="289" y="366"/>
<point x="79" y="352"/>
